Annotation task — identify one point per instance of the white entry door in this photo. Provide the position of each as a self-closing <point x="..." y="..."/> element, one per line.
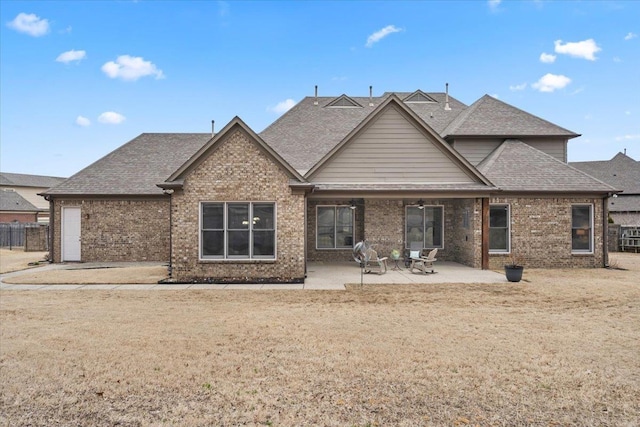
<point x="71" y="234"/>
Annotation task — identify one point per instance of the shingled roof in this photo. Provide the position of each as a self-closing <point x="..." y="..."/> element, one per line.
<point x="621" y="172"/>
<point x="136" y="167"/>
<point x="516" y="166"/>
<point x="12" y="201"/>
<point x="24" y="180"/>
<point x="489" y="116"/>
<point x="307" y="132"/>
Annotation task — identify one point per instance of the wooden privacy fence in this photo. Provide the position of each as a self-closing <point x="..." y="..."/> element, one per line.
<point x="30" y="235"/>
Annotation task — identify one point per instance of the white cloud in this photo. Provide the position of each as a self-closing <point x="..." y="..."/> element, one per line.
<point x="514" y="88"/>
<point x="628" y="137"/>
<point x="111" y="118"/>
<point x="628" y="113"/>
<point x="547" y="58"/>
<point x="30" y="23"/>
<point x="493" y="4"/>
<point x="630" y="36"/>
<point x="83" y="121"/>
<point x="131" y="68"/>
<point x="550" y="82"/>
<point x="71" y="55"/>
<point x="495" y="95"/>
<point x="585" y="49"/>
<point x="282" y="107"/>
<point x="380" y="34"/>
<point x="616" y="59"/>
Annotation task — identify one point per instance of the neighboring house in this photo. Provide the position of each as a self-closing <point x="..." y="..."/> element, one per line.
<point x="28" y="186"/>
<point x="15" y="208"/>
<point x="623" y="173"/>
<point x="480" y="183"/>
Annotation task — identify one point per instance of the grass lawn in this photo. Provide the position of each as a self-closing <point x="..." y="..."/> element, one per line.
<point x="562" y="348"/>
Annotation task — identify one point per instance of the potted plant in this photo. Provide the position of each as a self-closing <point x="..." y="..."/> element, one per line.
<point x="514" y="268"/>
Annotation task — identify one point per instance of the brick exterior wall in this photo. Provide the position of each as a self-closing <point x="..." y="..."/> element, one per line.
<point x="384" y="225"/>
<point x="541" y="233"/>
<point x="18" y="217"/>
<point x="464" y="238"/>
<point x="238" y="170"/>
<point x="135" y="229"/>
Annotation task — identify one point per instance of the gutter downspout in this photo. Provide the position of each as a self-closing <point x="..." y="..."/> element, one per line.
<point x="52" y="224"/>
<point x="605" y="231"/>
<point x="170" y="236"/>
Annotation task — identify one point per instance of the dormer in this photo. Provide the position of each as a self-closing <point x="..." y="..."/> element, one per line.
<point x="343" y="101"/>
<point x="419" y="97"/>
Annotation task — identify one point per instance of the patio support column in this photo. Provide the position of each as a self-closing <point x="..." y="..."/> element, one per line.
<point x="485" y="233"/>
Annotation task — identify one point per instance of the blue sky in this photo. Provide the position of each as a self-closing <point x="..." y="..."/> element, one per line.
<point x="79" y="79"/>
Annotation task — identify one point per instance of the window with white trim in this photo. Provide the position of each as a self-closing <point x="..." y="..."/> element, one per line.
<point x="499" y="228"/>
<point x="334" y="228"/>
<point x="237" y="230"/>
<point x="424" y="224"/>
<point x="582" y="228"/>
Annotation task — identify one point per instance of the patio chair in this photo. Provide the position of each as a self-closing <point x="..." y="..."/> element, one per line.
<point x="423" y="264"/>
<point x="375" y="264"/>
<point x="415" y="251"/>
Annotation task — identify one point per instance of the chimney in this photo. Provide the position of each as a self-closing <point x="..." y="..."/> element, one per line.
<point x="446" y="98"/>
<point x="213" y="122"/>
<point x="316" y="101"/>
<point x="370" y="96"/>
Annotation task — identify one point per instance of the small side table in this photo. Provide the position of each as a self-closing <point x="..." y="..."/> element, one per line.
<point x="396" y="261"/>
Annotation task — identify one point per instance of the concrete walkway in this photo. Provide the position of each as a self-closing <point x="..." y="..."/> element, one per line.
<point x="320" y="276"/>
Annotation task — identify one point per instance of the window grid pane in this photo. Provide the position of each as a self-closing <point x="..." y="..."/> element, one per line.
<point x="334" y="228"/>
<point x="499" y="228"/>
<point x="424" y="226"/>
<point x="581" y="232"/>
<point x="249" y="232"/>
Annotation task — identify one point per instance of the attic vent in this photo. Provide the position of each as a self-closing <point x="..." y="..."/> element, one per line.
<point x="344" y="102"/>
<point x="419" y="96"/>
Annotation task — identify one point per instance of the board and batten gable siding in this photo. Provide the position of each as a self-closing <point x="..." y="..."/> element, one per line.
<point x="475" y="150"/>
<point x="391" y="149"/>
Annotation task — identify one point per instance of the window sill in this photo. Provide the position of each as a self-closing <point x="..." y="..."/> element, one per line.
<point x="334" y="249"/>
<point x="237" y="261"/>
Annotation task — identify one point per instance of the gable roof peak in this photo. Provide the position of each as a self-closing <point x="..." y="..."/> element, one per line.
<point x="489" y="116"/>
<point x="178" y="176"/>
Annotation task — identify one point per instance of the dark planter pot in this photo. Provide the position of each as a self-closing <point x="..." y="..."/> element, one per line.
<point x="513" y="272"/>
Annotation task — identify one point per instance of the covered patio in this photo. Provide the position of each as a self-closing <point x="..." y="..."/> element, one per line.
<point x="320" y="274"/>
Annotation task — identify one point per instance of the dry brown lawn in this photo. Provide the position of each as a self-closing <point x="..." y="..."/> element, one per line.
<point x="561" y="348"/>
<point x="17" y="259"/>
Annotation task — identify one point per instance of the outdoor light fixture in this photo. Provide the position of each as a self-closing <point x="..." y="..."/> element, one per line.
<point x="420" y="204"/>
<point x="353" y="204"/>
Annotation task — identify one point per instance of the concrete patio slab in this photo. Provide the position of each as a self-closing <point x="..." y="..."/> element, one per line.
<point x="320" y="276"/>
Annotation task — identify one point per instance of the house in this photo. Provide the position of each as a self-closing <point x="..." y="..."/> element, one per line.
<point x="623" y="173"/>
<point x="478" y="182"/>
<point x="15" y="208"/>
<point x="29" y="186"/>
